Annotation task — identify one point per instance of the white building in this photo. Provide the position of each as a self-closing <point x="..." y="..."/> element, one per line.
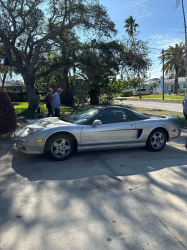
<point x="168" y="84"/>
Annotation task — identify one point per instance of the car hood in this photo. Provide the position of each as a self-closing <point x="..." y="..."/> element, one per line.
<point x="48" y="122"/>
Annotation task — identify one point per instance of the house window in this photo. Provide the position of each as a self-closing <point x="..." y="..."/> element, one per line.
<point x="15" y="89"/>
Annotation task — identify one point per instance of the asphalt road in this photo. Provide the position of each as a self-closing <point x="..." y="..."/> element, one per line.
<point x="118" y="200"/>
<point x="156" y="105"/>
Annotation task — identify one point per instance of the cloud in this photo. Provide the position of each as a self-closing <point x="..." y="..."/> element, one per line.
<point x="163" y="42"/>
<point x="146" y="8"/>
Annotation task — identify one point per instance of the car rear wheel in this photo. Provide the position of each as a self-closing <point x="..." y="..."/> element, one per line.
<point x="156" y="140"/>
<point x="60" y="147"/>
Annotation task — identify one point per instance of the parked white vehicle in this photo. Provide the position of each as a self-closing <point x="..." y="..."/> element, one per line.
<point x="143" y="92"/>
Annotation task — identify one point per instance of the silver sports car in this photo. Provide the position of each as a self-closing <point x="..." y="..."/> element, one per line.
<point x="96" y="128"/>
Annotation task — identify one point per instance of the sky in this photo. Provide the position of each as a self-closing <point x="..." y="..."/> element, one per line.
<point x="159" y="21"/>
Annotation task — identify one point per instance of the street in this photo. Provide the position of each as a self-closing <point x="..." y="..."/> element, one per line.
<point x="156" y="105"/>
<point x="117" y="199"/>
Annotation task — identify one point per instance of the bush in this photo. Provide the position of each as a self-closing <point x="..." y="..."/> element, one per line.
<point x="181" y="91"/>
<point x="126" y="93"/>
<point x="18" y="97"/>
<point x="7" y="114"/>
<point x="108" y="100"/>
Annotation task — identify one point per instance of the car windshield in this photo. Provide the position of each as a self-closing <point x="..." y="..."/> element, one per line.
<point x="82" y="116"/>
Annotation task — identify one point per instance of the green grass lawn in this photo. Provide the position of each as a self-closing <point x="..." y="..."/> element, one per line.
<point x="21" y="109"/>
<point x="166" y="96"/>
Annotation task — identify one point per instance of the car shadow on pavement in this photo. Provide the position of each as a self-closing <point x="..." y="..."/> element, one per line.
<point x="94" y="163"/>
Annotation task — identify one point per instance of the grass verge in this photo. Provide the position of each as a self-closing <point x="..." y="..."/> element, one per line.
<point x="155" y="98"/>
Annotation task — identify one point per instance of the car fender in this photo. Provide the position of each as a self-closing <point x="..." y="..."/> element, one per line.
<point x="160" y="127"/>
<point x="75" y="131"/>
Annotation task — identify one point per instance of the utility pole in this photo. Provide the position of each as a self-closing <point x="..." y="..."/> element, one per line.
<point x="163" y="75"/>
<point x="140" y="94"/>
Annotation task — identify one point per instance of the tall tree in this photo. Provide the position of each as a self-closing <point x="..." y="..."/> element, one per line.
<point x="130" y="26"/>
<point x="28" y="31"/>
<point x="174" y="61"/>
<point x="99" y="64"/>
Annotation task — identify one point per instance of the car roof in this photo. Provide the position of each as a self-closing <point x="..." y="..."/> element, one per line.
<point x="106" y="107"/>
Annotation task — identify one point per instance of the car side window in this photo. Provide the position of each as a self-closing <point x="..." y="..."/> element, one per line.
<point x="108" y="116"/>
<point x="136" y="116"/>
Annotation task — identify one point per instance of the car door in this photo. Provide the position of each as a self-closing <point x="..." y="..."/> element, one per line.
<point x="116" y="130"/>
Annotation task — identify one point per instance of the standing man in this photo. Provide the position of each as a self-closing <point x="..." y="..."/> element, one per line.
<point x="56" y="103"/>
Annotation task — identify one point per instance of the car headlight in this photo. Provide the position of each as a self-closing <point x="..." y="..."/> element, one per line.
<point x="33" y="130"/>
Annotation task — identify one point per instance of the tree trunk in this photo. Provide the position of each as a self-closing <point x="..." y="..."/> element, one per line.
<point x="94" y="96"/>
<point x="3" y="81"/>
<point x="31" y="95"/>
<point x="176" y="82"/>
<point x="67" y="95"/>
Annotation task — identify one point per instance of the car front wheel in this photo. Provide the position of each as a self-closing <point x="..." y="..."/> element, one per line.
<point x="60" y="147"/>
<point x="156" y="140"/>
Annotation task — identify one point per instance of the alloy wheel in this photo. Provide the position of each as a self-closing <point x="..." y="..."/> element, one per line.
<point x="157" y="140"/>
<point x="61" y="147"/>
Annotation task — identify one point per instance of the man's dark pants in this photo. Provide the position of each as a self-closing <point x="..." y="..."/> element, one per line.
<point x="57" y="112"/>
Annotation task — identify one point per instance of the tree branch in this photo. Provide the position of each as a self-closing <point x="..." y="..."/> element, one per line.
<point x="41" y="64"/>
<point x="50" y="70"/>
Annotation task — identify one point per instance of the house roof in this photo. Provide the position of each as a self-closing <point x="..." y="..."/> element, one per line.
<point x="12" y="84"/>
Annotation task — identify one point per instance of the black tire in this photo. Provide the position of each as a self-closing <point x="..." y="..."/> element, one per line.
<point x="153" y="143"/>
<point x="65" y="145"/>
<point x="185" y="116"/>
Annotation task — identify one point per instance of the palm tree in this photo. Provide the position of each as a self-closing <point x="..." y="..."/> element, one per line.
<point x="130" y="26"/>
<point x="174" y="61"/>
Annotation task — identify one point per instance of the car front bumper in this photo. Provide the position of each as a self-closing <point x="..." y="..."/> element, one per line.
<point x="28" y="149"/>
<point x="28" y="146"/>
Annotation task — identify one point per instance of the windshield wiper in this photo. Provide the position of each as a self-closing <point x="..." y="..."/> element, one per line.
<point x="75" y="108"/>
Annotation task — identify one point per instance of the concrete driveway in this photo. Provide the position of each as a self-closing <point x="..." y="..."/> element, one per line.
<point x="177" y="107"/>
<point x="122" y="199"/>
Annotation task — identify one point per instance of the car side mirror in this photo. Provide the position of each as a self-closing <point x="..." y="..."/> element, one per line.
<point x="96" y="122"/>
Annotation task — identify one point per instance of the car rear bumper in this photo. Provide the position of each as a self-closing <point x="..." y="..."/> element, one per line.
<point x="173" y="136"/>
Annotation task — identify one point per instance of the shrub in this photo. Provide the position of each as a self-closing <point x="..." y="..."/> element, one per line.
<point x="127" y="93"/>
<point x="18" y="97"/>
<point x="181" y="91"/>
<point x="108" y="100"/>
<point x="7" y="114"/>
